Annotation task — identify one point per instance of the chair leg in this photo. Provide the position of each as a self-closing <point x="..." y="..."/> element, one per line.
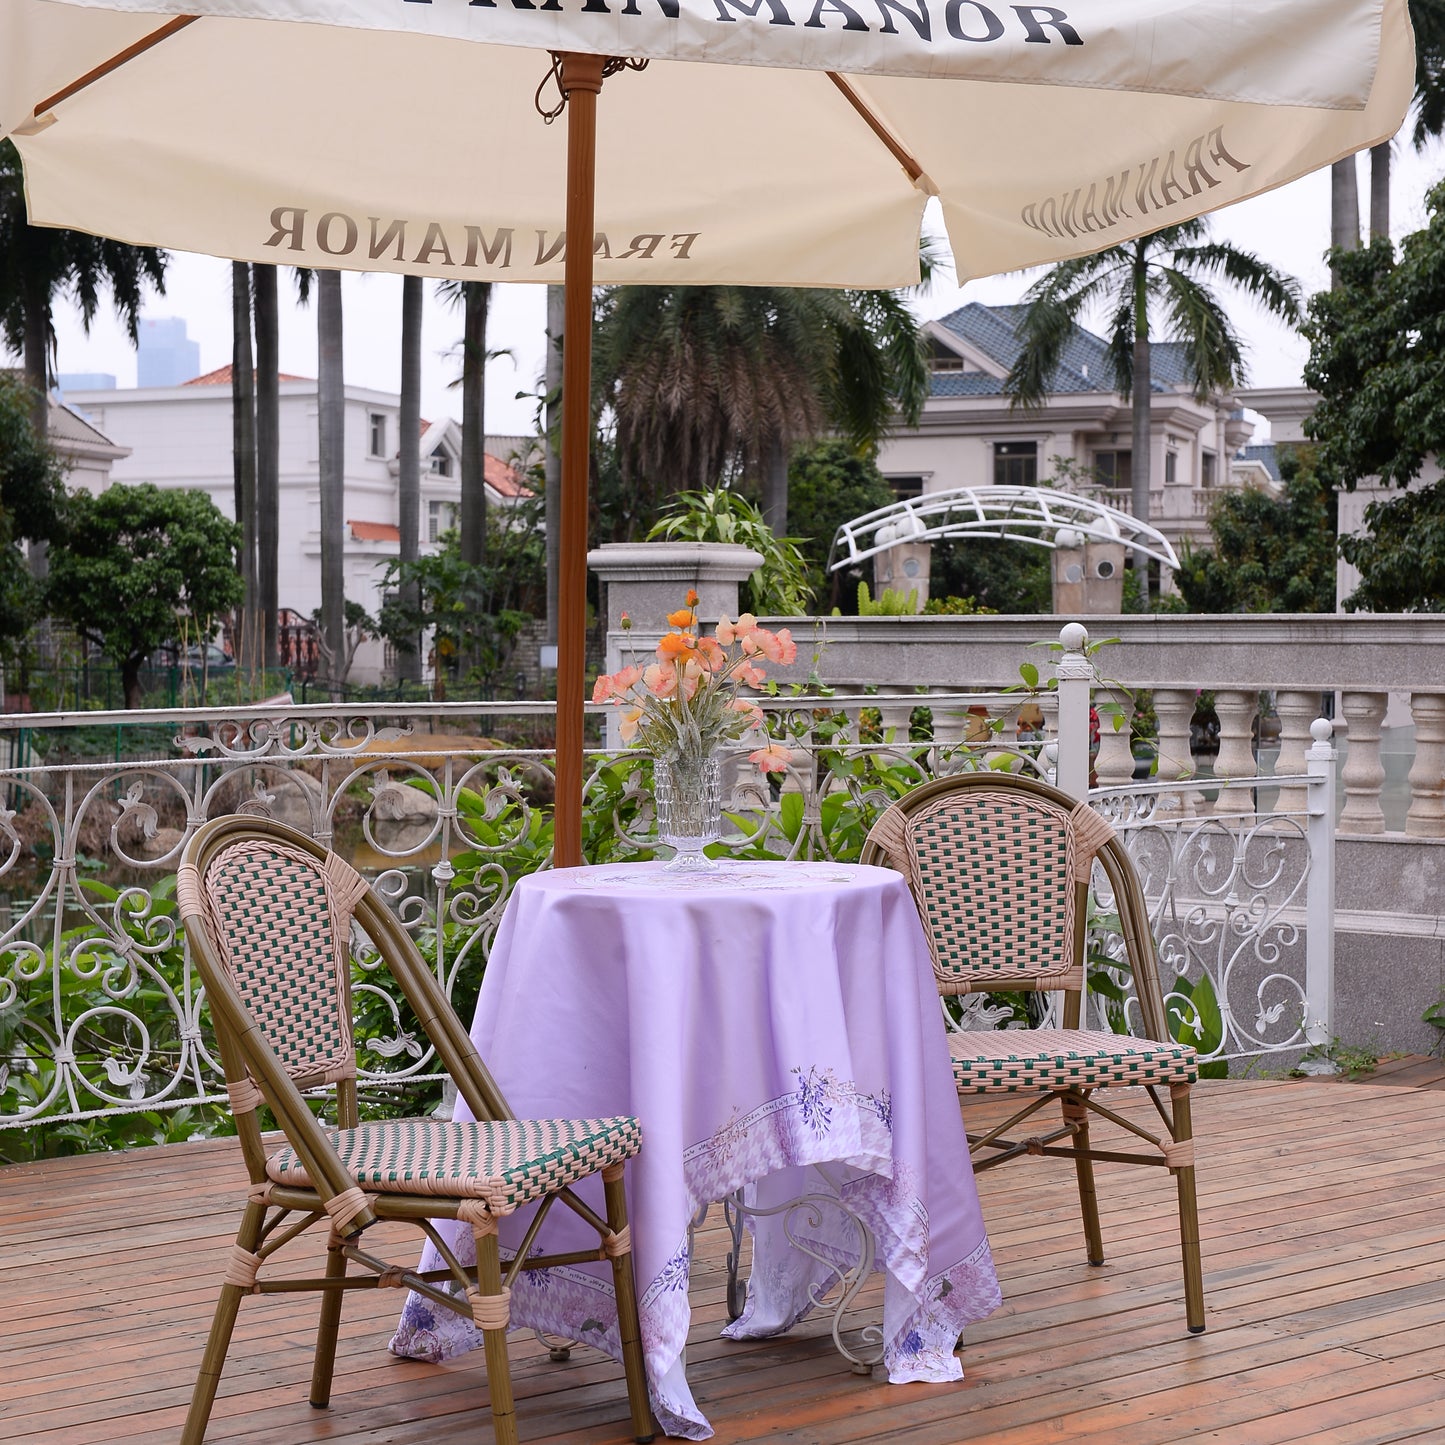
<point x="223" y="1322"/>
<point x="628" y="1327"/>
<point x="1076" y="1114"/>
<point x="489" y="1310"/>
<point x="324" y="1365"/>
<point x="1188" y="1213"/>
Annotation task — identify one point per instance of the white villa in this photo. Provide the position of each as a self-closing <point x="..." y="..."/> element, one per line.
<point x="969" y="435"/>
<point x="180" y="437"/>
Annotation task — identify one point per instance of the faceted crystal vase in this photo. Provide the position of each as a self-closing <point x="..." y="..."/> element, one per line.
<point x="688" y="789"/>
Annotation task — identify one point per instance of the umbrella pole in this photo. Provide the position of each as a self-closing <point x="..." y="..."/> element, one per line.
<point x="581" y="80"/>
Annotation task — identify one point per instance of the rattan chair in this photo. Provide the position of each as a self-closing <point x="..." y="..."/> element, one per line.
<point x="1000" y="867"/>
<point x="270" y="917"/>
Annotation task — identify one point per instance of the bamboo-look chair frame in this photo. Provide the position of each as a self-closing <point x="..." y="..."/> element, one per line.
<point x="255" y="1074"/>
<point x="1090" y="839"/>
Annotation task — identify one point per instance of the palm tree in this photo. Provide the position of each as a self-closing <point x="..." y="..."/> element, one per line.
<point x="1165" y="274"/>
<point x="409" y="459"/>
<point x="475" y="299"/>
<point x="703" y="381"/>
<point x="39" y="263"/>
<point x="331" y="417"/>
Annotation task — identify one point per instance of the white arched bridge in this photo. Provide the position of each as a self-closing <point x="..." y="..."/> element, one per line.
<point x="1038" y="515"/>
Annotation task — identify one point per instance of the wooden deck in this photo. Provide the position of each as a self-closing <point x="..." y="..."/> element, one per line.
<point x="1323" y="1210"/>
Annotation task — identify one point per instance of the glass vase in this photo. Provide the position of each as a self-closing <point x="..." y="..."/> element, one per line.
<point x="688" y="791"/>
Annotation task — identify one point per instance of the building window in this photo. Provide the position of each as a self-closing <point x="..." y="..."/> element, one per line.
<point x="1208" y="469"/>
<point x="1171" y="468"/>
<point x="905" y="487"/>
<point x="441" y="517"/>
<point x="1114" y="469"/>
<point x="943" y="358"/>
<point x="378" y="433"/>
<point x="441" y="463"/>
<point x="1015" y="464"/>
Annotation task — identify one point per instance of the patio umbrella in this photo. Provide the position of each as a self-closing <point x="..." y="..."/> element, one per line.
<point x="781" y="142"/>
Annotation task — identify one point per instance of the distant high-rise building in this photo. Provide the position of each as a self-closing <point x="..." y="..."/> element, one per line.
<point x="164" y="355"/>
<point x="85" y="381"/>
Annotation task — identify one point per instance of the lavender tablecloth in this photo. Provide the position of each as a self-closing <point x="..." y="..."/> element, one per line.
<point x="756" y="1021"/>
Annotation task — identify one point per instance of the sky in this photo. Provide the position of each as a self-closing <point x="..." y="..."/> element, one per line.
<point x="1288" y="227"/>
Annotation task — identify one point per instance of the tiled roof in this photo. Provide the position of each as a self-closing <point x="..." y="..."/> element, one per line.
<point x="503" y="479"/>
<point x="375" y="531"/>
<point x="1265" y="453"/>
<point x="221" y="376"/>
<point x="1083" y="365"/>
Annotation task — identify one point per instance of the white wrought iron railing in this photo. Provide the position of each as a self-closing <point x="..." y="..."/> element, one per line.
<point x="102" y="1016"/>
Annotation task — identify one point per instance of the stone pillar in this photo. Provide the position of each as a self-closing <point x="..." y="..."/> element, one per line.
<point x="647" y="580"/>
<point x="1426" y="818"/>
<point x="1297" y="710"/>
<point x="1363" y="772"/>
<point x="1236" y="710"/>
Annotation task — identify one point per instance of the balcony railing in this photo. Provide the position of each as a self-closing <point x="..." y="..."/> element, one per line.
<point x="101" y="1013"/>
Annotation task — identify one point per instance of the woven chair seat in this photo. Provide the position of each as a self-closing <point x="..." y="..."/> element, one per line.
<point x="989" y="1061"/>
<point x="506" y="1163"/>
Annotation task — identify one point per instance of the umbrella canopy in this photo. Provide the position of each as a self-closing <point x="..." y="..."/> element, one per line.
<point x="781" y="142"/>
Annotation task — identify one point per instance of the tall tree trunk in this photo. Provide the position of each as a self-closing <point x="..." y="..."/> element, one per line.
<point x="268" y="461"/>
<point x="1142" y="394"/>
<point x="408" y="493"/>
<point x="243" y="459"/>
<point x="36" y="352"/>
<point x="36" y="358"/>
<point x="1344" y="207"/>
<point x="331" y="420"/>
<point x="775" y="486"/>
<point x="477" y="295"/>
<point x="1380" y="191"/>
<point x="552" y="492"/>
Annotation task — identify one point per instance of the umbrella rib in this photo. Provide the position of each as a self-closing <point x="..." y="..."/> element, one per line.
<point x="116" y="61"/>
<point x="910" y="166"/>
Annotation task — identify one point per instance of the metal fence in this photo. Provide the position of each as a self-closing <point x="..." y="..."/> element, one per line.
<point x="445" y="807"/>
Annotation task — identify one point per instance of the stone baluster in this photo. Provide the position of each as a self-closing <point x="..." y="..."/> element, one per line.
<point x="1297" y="710"/>
<point x="950" y="723"/>
<point x="1426" y="818"/>
<point x="1363" y="773"/>
<point x="1049" y="706"/>
<point x="1174" y="707"/>
<point x="1114" y="764"/>
<point x="1236" y="709"/>
<point x="895" y="708"/>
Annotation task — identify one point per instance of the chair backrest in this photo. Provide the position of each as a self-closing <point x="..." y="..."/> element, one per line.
<point x="278" y="918"/>
<point x="999" y="866"/>
<point x="269" y="914"/>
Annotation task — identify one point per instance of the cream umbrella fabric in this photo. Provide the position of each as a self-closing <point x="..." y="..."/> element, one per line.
<point x="778" y="142"/>
<point x="366" y="136"/>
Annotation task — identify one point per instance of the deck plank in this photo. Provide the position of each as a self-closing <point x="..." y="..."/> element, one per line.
<point x="1322" y="1211"/>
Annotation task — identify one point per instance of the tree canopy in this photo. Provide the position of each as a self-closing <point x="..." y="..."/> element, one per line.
<point x="1377" y="360"/>
<point x="1271" y="554"/>
<point x="37" y="263"/>
<point x="708" y="384"/>
<point x="829" y="484"/>
<point x="32" y="499"/>
<point x="139" y="567"/>
<point x="1377" y="344"/>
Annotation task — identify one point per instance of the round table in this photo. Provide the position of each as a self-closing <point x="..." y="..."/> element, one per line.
<point x="758" y="1021"/>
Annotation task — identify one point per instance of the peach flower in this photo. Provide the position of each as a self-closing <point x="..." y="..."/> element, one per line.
<point x="630" y="722"/>
<point x="772" y="759"/>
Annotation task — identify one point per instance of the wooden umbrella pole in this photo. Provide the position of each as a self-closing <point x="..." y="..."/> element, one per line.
<point x="581" y="81"/>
